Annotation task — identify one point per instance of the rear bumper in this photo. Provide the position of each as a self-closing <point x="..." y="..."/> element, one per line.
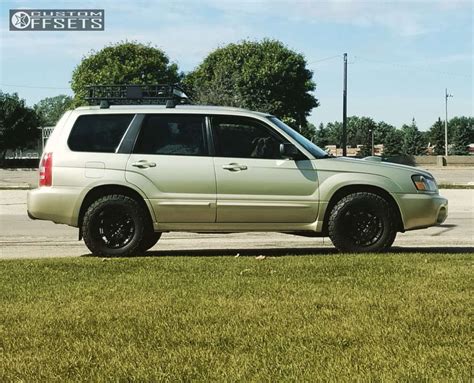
<point x="53" y="204"/>
<point x="422" y="210"/>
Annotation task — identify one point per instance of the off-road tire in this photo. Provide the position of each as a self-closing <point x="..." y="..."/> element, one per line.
<point x="149" y="240"/>
<point x="136" y="219"/>
<point x="355" y="217"/>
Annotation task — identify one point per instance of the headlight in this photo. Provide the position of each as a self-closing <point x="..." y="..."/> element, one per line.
<point x="423" y="183"/>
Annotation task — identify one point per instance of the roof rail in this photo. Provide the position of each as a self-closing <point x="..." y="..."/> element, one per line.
<point x="156" y="94"/>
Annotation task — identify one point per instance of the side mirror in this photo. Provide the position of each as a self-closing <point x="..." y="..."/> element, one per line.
<point x="290" y="151"/>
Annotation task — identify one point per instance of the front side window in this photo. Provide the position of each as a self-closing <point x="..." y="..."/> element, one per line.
<point x="244" y="137"/>
<point x="303" y="141"/>
<point x="172" y="135"/>
<point x="98" y="133"/>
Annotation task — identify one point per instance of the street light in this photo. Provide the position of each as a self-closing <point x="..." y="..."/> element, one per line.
<point x="371" y="131"/>
<point x="446" y="122"/>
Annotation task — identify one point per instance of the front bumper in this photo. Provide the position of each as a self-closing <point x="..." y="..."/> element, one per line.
<point x="422" y="210"/>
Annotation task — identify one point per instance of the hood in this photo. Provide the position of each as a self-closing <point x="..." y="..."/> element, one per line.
<point x="372" y="166"/>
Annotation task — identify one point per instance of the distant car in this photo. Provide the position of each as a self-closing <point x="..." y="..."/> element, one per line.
<point x="125" y="174"/>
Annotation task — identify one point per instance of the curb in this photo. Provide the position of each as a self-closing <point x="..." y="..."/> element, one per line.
<point x="16" y="187"/>
<point x="456" y="186"/>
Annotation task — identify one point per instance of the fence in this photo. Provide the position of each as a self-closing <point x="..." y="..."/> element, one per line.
<point x="45" y="133"/>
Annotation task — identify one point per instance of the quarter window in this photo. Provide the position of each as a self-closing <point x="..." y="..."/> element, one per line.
<point x="243" y="137"/>
<point x="98" y="133"/>
<point x="172" y="135"/>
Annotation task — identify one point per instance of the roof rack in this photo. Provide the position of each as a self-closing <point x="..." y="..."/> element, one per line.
<point x="157" y="94"/>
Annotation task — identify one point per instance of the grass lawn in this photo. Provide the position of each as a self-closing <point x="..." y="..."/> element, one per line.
<point x="403" y="317"/>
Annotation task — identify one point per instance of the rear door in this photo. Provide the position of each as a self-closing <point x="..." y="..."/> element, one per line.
<point x="255" y="184"/>
<point x="171" y="164"/>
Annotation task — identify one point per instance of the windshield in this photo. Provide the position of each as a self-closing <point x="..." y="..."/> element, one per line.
<point x="315" y="150"/>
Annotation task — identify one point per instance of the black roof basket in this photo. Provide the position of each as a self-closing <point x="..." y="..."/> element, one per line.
<point x="157" y="94"/>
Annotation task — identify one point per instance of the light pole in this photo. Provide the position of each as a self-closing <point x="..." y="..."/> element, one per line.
<point x="371" y="131"/>
<point x="344" y="109"/>
<point x="446" y="95"/>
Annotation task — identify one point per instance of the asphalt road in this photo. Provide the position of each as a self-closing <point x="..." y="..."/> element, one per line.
<point x="21" y="237"/>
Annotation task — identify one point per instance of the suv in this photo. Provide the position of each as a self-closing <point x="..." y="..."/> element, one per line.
<point x="124" y="174"/>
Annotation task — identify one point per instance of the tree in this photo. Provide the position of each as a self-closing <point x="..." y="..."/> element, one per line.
<point x="461" y="129"/>
<point x="392" y="144"/>
<point x="437" y="137"/>
<point x="321" y="136"/>
<point x="359" y="131"/>
<point x="382" y="130"/>
<point x="412" y="140"/>
<point x="365" y="150"/>
<point x="265" y="76"/>
<point x="123" y="63"/>
<point x="50" y="109"/>
<point x="308" y="130"/>
<point x="334" y="133"/>
<point x="18" y="123"/>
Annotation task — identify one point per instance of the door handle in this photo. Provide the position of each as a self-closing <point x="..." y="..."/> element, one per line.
<point x="143" y="164"/>
<point x="233" y="167"/>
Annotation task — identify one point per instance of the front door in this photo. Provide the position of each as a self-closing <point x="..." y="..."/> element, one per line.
<point x="255" y="184"/>
<point x="171" y="164"/>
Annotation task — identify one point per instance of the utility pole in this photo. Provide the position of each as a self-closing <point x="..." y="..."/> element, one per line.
<point x="344" y="109"/>
<point x="446" y="95"/>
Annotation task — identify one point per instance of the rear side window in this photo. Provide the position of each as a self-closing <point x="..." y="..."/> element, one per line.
<point x="179" y="135"/>
<point x="98" y="133"/>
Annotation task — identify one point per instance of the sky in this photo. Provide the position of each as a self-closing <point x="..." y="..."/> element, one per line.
<point x="401" y="54"/>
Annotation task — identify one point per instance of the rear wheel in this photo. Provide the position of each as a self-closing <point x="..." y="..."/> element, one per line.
<point x="114" y="225"/>
<point x="362" y="222"/>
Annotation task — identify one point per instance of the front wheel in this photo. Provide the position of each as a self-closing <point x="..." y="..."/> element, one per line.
<point x="362" y="222"/>
<point x="149" y="240"/>
<point x="114" y="225"/>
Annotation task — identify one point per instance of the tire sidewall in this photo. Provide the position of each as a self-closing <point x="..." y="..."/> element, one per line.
<point x="372" y="203"/>
<point x="91" y="236"/>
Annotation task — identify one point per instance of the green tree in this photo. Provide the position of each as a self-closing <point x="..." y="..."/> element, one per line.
<point x="321" y="137"/>
<point x="123" y="63"/>
<point x="461" y="129"/>
<point x="358" y="131"/>
<point x="382" y="130"/>
<point x="437" y="137"/>
<point x="18" y="123"/>
<point x="392" y="144"/>
<point x="365" y="150"/>
<point x="265" y="76"/>
<point x="334" y="133"/>
<point x="309" y="131"/>
<point x="50" y="109"/>
<point x="412" y="140"/>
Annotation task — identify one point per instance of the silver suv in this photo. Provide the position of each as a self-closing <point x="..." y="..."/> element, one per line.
<point x="124" y="174"/>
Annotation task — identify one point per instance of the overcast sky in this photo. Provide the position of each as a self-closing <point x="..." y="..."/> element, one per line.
<point x="402" y="54"/>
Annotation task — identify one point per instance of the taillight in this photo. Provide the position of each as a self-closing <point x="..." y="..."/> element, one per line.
<point x="46" y="170"/>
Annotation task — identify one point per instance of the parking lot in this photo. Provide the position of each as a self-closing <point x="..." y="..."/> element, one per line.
<point x="24" y="238"/>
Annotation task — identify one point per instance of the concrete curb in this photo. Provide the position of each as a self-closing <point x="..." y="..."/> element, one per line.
<point x="16" y="187"/>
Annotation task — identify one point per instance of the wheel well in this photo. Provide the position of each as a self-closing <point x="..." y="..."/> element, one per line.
<point x="346" y="190"/>
<point x="101" y="191"/>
